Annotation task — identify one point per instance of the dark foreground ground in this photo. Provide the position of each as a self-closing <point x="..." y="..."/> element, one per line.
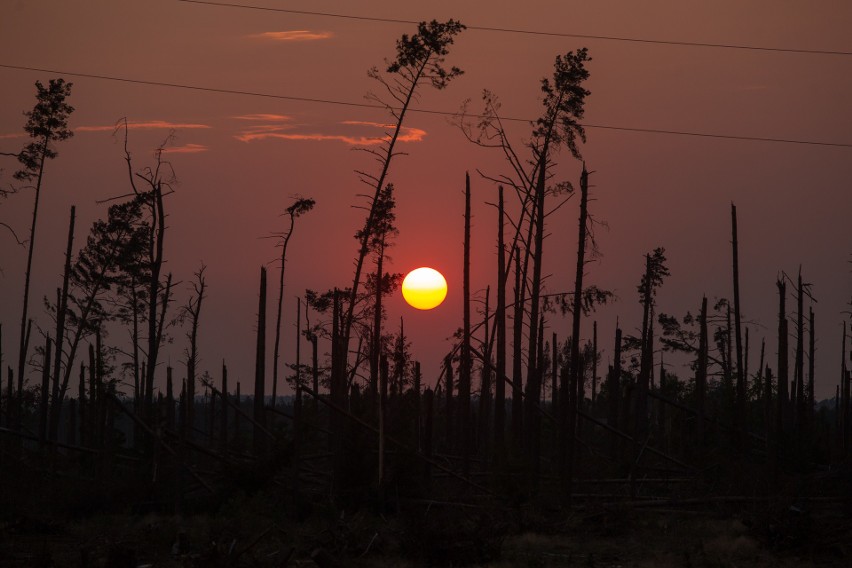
<point x="255" y="531"/>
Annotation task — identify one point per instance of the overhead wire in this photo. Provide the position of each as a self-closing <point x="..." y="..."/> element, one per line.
<point x="530" y="32"/>
<point x="316" y="100"/>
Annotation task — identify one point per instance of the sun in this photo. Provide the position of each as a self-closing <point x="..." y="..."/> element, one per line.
<point x="424" y="288"/>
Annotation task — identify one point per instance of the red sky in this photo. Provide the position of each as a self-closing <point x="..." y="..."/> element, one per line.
<point x="240" y="158"/>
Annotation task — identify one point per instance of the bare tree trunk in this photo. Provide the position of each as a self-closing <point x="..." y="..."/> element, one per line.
<point x="517" y="337"/>
<point x="811" y="364"/>
<point x="448" y="368"/>
<point x="25" y="331"/>
<point x="465" y="363"/>
<point x="801" y="416"/>
<point x="641" y="408"/>
<point x="701" y="376"/>
<point x="614" y="382"/>
<point x="500" y="315"/>
<point x="155" y="255"/>
<point x="485" y="383"/>
<point x="61" y="311"/>
<point x="45" y="390"/>
<point x="259" y="441"/>
<point x="740" y="407"/>
<point x="783" y="377"/>
<point x="844" y="394"/>
<point x="570" y="404"/>
<point x="595" y="363"/>
<point x="223" y="419"/>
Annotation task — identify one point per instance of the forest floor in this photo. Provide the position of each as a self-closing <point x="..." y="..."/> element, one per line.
<point x="248" y="532"/>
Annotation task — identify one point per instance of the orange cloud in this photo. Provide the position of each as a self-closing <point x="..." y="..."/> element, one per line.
<point x="5" y="136"/>
<point x="266" y="117"/>
<point x="293" y="35"/>
<point x="146" y="125"/>
<point x="407" y="134"/>
<point x="185" y="149"/>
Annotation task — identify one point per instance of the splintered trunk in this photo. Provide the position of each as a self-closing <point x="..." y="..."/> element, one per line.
<point x="613" y="386"/>
<point x="376" y="342"/>
<point x="485" y="382"/>
<point x="223" y="418"/>
<point x="800" y="358"/>
<point x="155" y="328"/>
<point x="170" y="399"/>
<point x="465" y="363"/>
<point x="646" y="361"/>
<point x="259" y="442"/>
<point x="740" y="407"/>
<point x="61" y="312"/>
<point x="382" y="409"/>
<point x="811" y="364"/>
<point x="45" y="390"/>
<point x="783" y="377"/>
<point x="595" y="362"/>
<point x="554" y="379"/>
<point x="844" y="394"/>
<point x="19" y="403"/>
<point x="569" y="387"/>
<point x="701" y="374"/>
<point x="426" y="432"/>
<point x="448" y="368"/>
<point x="517" y="337"/>
<point x="500" y="315"/>
<point x="417" y="406"/>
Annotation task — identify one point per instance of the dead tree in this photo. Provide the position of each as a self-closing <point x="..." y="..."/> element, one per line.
<point x="299" y="207"/>
<point x="740" y="407"/>
<point x="500" y="322"/>
<point x="783" y="378"/>
<point x="61" y="312"/>
<point x="192" y="309"/>
<point x="259" y="441"/>
<point x="465" y="362"/>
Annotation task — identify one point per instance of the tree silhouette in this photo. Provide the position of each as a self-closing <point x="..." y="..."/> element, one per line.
<point x="46" y="124"/>
<point x="419" y="57"/>
<point x="298" y="208"/>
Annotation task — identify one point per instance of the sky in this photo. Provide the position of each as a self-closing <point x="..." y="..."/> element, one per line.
<point x="241" y="159"/>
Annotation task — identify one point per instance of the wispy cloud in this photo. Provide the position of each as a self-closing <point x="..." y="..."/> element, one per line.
<point x="185" y="149"/>
<point x="293" y="35"/>
<point x="267" y="132"/>
<point x="265" y="117"/>
<point x="143" y="125"/>
<point x="9" y="136"/>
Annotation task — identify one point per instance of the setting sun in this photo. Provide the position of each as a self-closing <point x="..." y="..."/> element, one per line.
<point x="424" y="288"/>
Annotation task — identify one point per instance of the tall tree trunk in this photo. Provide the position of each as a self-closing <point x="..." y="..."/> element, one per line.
<point x="595" y="362"/>
<point x="740" y="407"/>
<point x="811" y="365"/>
<point x="61" y="311"/>
<point x="701" y="375"/>
<point x="465" y="363"/>
<point x="45" y="390"/>
<point x="783" y="377"/>
<point x="844" y="393"/>
<point x="568" y="395"/>
<point x="517" y="338"/>
<point x="500" y="315"/>
<point x="155" y="255"/>
<point x="259" y="442"/>
<point x="485" y="382"/>
<point x="376" y="343"/>
<point x="223" y="419"/>
<point x="25" y="332"/>
<point x="449" y="432"/>
<point x="645" y="362"/>
<point x="279" y="311"/>
<point x="801" y="416"/>
<point x="614" y="382"/>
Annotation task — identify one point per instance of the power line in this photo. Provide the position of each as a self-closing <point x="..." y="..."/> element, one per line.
<point x="417" y="110"/>
<point x="531" y="32"/>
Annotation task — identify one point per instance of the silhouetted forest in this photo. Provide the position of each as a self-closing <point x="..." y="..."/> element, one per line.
<point x="355" y="458"/>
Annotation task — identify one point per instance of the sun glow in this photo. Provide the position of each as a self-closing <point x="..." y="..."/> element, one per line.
<point x="424" y="288"/>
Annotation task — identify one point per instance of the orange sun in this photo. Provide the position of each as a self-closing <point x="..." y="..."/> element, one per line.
<point x="424" y="288"/>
